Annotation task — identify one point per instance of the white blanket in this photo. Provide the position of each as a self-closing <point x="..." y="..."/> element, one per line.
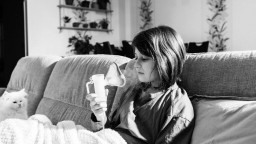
<point x="38" y="129"/>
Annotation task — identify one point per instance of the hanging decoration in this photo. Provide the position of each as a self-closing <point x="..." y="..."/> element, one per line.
<point x="146" y="14"/>
<point x="217" y="25"/>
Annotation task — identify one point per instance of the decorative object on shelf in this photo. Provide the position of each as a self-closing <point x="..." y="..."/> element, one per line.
<point x="76" y="24"/>
<point x="66" y="20"/>
<point x="85" y="25"/>
<point x="80" y="21"/>
<point x="80" y="17"/>
<point x="103" y="4"/>
<point x="104" y="23"/>
<point x="93" y="24"/>
<point x="146" y="14"/>
<point x="217" y="25"/>
<point x="94" y="4"/>
<point x="81" y="43"/>
<point x="85" y="3"/>
<point x="69" y="2"/>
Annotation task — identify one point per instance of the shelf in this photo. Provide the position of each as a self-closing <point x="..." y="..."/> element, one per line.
<point x="84" y="8"/>
<point x="85" y="29"/>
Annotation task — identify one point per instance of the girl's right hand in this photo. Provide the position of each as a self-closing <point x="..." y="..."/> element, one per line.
<point x="98" y="105"/>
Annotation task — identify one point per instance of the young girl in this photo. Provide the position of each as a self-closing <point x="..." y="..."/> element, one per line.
<point x="158" y="111"/>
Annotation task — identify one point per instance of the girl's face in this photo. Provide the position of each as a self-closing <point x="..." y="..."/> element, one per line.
<point x="146" y="69"/>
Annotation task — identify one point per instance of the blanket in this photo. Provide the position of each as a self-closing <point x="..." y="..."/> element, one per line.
<point x="38" y="129"/>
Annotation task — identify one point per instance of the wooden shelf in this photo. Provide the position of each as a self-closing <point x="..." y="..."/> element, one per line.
<point x="84" y="8"/>
<point x="85" y="29"/>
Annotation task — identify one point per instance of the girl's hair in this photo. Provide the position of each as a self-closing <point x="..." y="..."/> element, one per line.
<point x="165" y="46"/>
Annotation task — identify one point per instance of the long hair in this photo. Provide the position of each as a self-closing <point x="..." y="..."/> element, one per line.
<point x="165" y="46"/>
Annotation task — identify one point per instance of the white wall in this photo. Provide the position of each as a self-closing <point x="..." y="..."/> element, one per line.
<point x="188" y="17"/>
<point x="44" y="37"/>
<point x="244" y="24"/>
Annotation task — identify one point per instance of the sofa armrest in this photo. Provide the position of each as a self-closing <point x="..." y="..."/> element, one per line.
<point x="2" y="90"/>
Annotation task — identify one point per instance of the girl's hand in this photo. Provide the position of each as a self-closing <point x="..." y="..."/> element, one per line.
<point x="98" y="105"/>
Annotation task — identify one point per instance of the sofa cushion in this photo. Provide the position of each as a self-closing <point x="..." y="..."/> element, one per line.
<point x="224" y="121"/>
<point x="65" y="94"/>
<point x="222" y="73"/>
<point x="32" y="73"/>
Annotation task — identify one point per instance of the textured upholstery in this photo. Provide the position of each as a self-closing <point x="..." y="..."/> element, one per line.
<point x="32" y="73"/>
<point x="221" y="121"/>
<point x="65" y="94"/>
<point x="223" y="73"/>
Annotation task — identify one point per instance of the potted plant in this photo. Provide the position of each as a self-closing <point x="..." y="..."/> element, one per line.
<point x="94" y="4"/>
<point x="146" y="14"/>
<point x="81" y="44"/>
<point x="104" y="23"/>
<point x="93" y="24"/>
<point x="69" y="2"/>
<point x="66" y="20"/>
<point x="80" y="17"/>
<point x="85" y="3"/>
<point x="76" y="24"/>
<point x="85" y="25"/>
<point x="103" y="4"/>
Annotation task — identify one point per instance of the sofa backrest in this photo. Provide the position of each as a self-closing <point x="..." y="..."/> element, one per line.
<point x="32" y="73"/>
<point x="220" y="74"/>
<point x="65" y="94"/>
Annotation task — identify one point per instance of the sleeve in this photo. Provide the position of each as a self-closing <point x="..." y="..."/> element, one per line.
<point x="98" y="125"/>
<point x="176" y="130"/>
<point x="178" y="123"/>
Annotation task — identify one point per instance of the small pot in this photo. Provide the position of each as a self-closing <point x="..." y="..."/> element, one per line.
<point x="102" y="4"/>
<point x="85" y="25"/>
<point x="93" y="25"/>
<point x="69" y="2"/>
<point x="94" y="5"/>
<point x="104" y="26"/>
<point x="76" y="24"/>
<point x="85" y="3"/>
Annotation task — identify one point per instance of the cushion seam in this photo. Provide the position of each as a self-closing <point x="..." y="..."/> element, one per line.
<point x="68" y="103"/>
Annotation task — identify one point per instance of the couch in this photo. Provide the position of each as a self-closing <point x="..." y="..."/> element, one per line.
<point x="221" y="86"/>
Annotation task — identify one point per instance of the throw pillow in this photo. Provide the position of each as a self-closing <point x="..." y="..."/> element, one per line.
<point x="224" y="121"/>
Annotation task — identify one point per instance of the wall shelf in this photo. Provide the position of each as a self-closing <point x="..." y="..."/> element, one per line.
<point x="95" y="11"/>
<point x="85" y="29"/>
<point x="84" y="8"/>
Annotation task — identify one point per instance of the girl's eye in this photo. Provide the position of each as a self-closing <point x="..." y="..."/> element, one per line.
<point x="144" y="59"/>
